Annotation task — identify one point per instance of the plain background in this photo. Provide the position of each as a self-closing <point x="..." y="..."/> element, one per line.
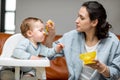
<point x="63" y="12"/>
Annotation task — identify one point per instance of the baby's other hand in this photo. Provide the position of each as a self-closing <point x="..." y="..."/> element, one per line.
<point x="34" y="58"/>
<point x="59" y="47"/>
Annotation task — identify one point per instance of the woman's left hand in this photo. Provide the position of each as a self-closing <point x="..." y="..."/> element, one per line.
<point x="100" y="67"/>
<point x="97" y="65"/>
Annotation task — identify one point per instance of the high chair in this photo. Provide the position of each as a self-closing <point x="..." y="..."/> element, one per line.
<point x="7" y="60"/>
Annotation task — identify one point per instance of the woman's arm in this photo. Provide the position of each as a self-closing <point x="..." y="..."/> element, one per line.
<point x="112" y="70"/>
<point x="49" y="40"/>
<point x="50" y="35"/>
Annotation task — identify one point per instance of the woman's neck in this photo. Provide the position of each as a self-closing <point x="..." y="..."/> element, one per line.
<point x="91" y="40"/>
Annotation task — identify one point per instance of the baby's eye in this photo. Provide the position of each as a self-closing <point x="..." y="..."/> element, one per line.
<point x="41" y="30"/>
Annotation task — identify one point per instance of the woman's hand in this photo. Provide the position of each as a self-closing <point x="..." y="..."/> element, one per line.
<point x="101" y="68"/>
<point x="50" y="34"/>
<point x="50" y="28"/>
<point x="96" y="65"/>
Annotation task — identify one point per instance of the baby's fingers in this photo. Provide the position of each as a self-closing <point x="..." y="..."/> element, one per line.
<point x="61" y="45"/>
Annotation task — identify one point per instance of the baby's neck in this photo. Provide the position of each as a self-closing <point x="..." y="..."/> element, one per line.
<point x="33" y="43"/>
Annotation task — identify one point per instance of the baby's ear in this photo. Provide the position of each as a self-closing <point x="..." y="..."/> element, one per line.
<point x="29" y="33"/>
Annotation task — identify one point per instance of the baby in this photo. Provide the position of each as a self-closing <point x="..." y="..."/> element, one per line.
<point x="31" y="47"/>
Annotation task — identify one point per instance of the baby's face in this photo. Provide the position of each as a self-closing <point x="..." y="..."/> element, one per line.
<point x="38" y="33"/>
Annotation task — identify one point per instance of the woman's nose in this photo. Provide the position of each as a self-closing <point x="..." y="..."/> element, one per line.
<point x="76" y="21"/>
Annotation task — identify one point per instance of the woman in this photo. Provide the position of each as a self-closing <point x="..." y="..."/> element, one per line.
<point x="91" y="34"/>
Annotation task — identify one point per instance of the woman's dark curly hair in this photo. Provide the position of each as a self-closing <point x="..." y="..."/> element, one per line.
<point x="97" y="11"/>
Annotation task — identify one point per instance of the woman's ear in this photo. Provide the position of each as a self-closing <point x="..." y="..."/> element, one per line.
<point x="95" y="22"/>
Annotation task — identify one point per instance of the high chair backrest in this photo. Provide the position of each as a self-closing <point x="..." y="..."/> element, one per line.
<point x="10" y="44"/>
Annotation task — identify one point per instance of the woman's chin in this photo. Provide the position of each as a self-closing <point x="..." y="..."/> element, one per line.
<point x="78" y="30"/>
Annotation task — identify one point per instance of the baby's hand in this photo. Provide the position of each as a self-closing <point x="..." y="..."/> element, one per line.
<point x="59" y="47"/>
<point x="34" y="58"/>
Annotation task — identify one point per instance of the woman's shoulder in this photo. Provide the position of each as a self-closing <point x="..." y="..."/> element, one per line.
<point x="113" y="36"/>
<point x="72" y="32"/>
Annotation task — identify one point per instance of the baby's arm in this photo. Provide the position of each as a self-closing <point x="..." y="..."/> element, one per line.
<point x="59" y="47"/>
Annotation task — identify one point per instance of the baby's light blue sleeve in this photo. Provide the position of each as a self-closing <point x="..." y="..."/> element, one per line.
<point x="20" y="50"/>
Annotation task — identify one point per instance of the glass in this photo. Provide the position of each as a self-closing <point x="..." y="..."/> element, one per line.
<point x="10" y="5"/>
<point x="9" y="21"/>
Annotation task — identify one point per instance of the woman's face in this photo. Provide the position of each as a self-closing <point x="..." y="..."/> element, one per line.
<point x="83" y="22"/>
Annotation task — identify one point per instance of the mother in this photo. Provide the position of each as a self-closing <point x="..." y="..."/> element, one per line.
<point x="91" y="34"/>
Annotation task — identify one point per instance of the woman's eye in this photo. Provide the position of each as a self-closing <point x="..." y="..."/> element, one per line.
<point x="82" y="18"/>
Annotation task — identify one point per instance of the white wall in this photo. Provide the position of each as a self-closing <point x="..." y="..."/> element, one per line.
<point x="63" y="12"/>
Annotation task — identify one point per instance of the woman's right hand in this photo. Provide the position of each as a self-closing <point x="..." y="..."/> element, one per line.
<point x="50" y="28"/>
<point x="50" y="34"/>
